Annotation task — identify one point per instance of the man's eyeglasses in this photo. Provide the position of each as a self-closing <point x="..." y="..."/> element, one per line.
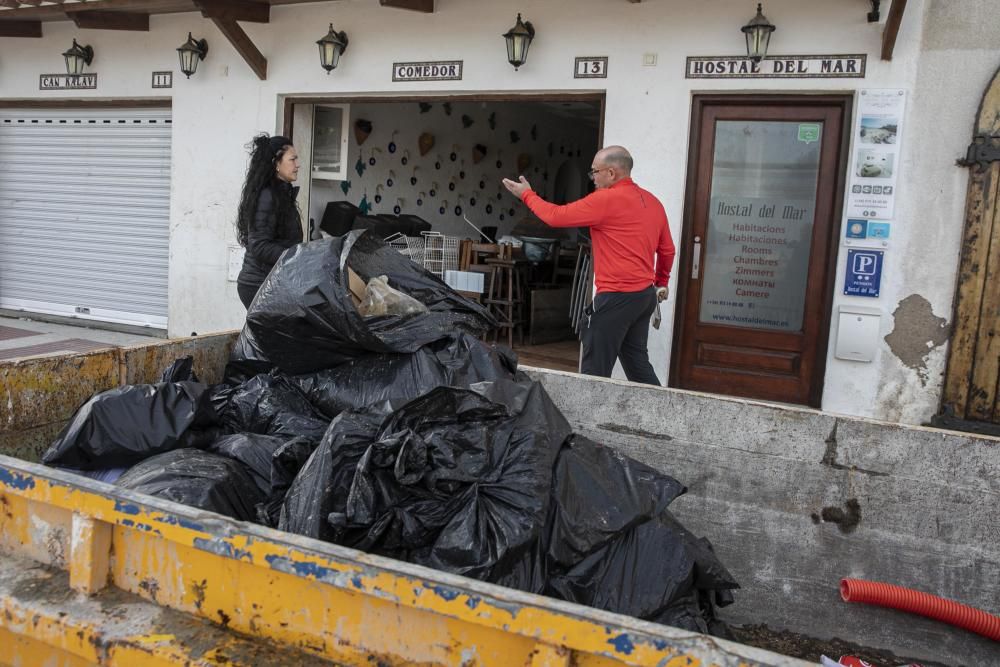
<point x="594" y="171"/>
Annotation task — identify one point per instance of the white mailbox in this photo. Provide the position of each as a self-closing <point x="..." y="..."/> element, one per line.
<point x="858" y="333"/>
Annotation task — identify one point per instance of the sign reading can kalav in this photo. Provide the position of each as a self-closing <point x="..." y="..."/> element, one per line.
<point x="874" y="168"/>
<point x="777" y="67"/>
<point x="67" y="82"/>
<point x="442" y="70"/>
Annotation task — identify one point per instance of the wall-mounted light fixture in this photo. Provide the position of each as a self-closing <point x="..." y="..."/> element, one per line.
<point x="758" y="34"/>
<point x="873" y="15"/>
<point x="190" y="52"/>
<point x="77" y="57"/>
<point x="331" y="47"/>
<point x="518" y="40"/>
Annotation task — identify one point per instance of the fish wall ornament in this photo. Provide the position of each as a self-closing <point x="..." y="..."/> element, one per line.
<point x="447" y="108"/>
<point x="534" y="132"/>
<point x="493" y="120"/>
<point x="345" y="187"/>
<point x="359" y="166"/>
<point x="514" y="137"/>
<point x="425" y="107"/>
<point x="362" y="129"/>
<point x="363" y="206"/>
<point x="467" y="121"/>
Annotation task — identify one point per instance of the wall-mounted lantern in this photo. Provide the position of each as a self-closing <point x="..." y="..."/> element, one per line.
<point x="331" y="48"/>
<point x="77" y="57"/>
<point x="190" y="52"/>
<point x="518" y="40"/>
<point x="758" y="33"/>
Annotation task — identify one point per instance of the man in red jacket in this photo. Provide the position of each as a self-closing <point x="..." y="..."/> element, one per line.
<point x="628" y="230"/>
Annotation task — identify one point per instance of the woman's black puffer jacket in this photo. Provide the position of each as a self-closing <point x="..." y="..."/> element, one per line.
<point x="276" y="227"/>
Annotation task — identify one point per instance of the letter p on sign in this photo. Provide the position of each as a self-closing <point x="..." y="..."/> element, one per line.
<point x="864" y="264"/>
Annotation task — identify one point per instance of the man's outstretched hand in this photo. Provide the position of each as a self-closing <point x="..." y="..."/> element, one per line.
<point x="518" y="187"/>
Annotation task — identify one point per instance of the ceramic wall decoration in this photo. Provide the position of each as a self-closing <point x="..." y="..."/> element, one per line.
<point x="345" y="187"/>
<point x="493" y="120"/>
<point x="467" y="121"/>
<point x="406" y="158"/>
<point x="523" y="162"/>
<point x="392" y="141"/>
<point x="478" y="153"/>
<point x="425" y="143"/>
<point x="413" y="178"/>
<point x="514" y="137"/>
<point x="425" y="107"/>
<point x="362" y="128"/>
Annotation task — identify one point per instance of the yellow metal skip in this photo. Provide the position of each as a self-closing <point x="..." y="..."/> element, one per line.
<point x="327" y="601"/>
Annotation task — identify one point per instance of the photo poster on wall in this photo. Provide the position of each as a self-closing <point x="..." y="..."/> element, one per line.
<point x="875" y="164"/>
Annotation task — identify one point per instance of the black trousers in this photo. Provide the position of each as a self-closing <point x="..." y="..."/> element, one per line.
<point x="618" y="328"/>
<point x="247" y="293"/>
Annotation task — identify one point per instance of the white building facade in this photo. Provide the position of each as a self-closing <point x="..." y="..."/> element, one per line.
<point x="848" y="346"/>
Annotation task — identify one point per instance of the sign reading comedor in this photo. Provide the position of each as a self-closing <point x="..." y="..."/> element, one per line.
<point x="444" y="70"/>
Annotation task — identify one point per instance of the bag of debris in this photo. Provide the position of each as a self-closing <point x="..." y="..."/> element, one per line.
<point x="122" y="426"/>
<point x="269" y="405"/>
<point x="457" y="480"/>
<point x="199" y="479"/>
<point x="272" y="462"/>
<point x="457" y="361"/>
<point x="182" y="370"/>
<point x="381" y="300"/>
<point x="614" y="545"/>
<point x="305" y="318"/>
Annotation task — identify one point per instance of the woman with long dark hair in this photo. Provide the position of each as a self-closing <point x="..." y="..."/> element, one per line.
<point x="268" y="222"/>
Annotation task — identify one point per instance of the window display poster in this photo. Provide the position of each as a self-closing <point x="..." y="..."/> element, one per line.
<point x="874" y="168"/>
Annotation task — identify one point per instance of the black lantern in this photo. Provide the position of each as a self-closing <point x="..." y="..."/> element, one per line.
<point x="758" y="33"/>
<point x="77" y="57"/>
<point x="331" y="48"/>
<point x="518" y="40"/>
<point x="190" y="52"/>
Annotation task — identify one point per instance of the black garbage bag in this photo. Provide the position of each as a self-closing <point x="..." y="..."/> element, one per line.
<point x="457" y="479"/>
<point x="122" y="426"/>
<point x="303" y="318"/>
<point x="199" y="479"/>
<point x="457" y="361"/>
<point x="182" y="370"/>
<point x="269" y="405"/>
<point x="614" y="545"/>
<point x="272" y="462"/>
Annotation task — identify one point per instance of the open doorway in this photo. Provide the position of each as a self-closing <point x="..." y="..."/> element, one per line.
<point x="425" y="174"/>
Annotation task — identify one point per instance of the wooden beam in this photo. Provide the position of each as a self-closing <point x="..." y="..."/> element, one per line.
<point x="891" y="31"/>
<point x="241" y="42"/>
<point x="104" y="20"/>
<point x="20" y="28"/>
<point x="426" y="6"/>
<point x="235" y="10"/>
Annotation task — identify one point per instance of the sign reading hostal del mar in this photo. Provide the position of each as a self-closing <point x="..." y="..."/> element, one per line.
<point x="67" y="81"/>
<point x="777" y="67"/>
<point x="442" y="70"/>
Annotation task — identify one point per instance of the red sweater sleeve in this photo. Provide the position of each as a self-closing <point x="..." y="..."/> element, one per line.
<point x="665" y="252"/>
<point x="581" y="213"/>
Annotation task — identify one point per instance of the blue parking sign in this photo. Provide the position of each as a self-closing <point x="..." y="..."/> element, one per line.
<point x="864" y="273"/>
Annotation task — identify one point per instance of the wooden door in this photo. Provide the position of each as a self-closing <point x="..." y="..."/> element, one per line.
<point x="971" y="398"/>
<point x="765" y="183"/>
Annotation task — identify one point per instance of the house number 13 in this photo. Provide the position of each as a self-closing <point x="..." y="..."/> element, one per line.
<point x="591" y="68"/>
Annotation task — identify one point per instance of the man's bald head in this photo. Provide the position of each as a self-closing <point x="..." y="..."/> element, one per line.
<point x="617" y="157"/>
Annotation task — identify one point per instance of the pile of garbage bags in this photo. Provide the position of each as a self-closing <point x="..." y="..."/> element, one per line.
<point x="400" y="433"/>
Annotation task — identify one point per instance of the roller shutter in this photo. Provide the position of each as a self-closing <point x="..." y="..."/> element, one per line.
<point x="85" y="213"/>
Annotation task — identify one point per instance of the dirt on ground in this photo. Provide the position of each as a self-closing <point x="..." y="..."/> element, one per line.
<point x="809" y="648"/>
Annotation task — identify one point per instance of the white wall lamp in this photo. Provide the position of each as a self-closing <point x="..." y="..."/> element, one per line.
<point x="77" y="57"/>
<point x="331" y="47"/>
<point x="518" y="40"/>
<point x="758" y="34"/>
<point x="190" y="52"/>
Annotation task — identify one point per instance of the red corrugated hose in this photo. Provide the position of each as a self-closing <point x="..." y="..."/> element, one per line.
<point x="925" y="604"/>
